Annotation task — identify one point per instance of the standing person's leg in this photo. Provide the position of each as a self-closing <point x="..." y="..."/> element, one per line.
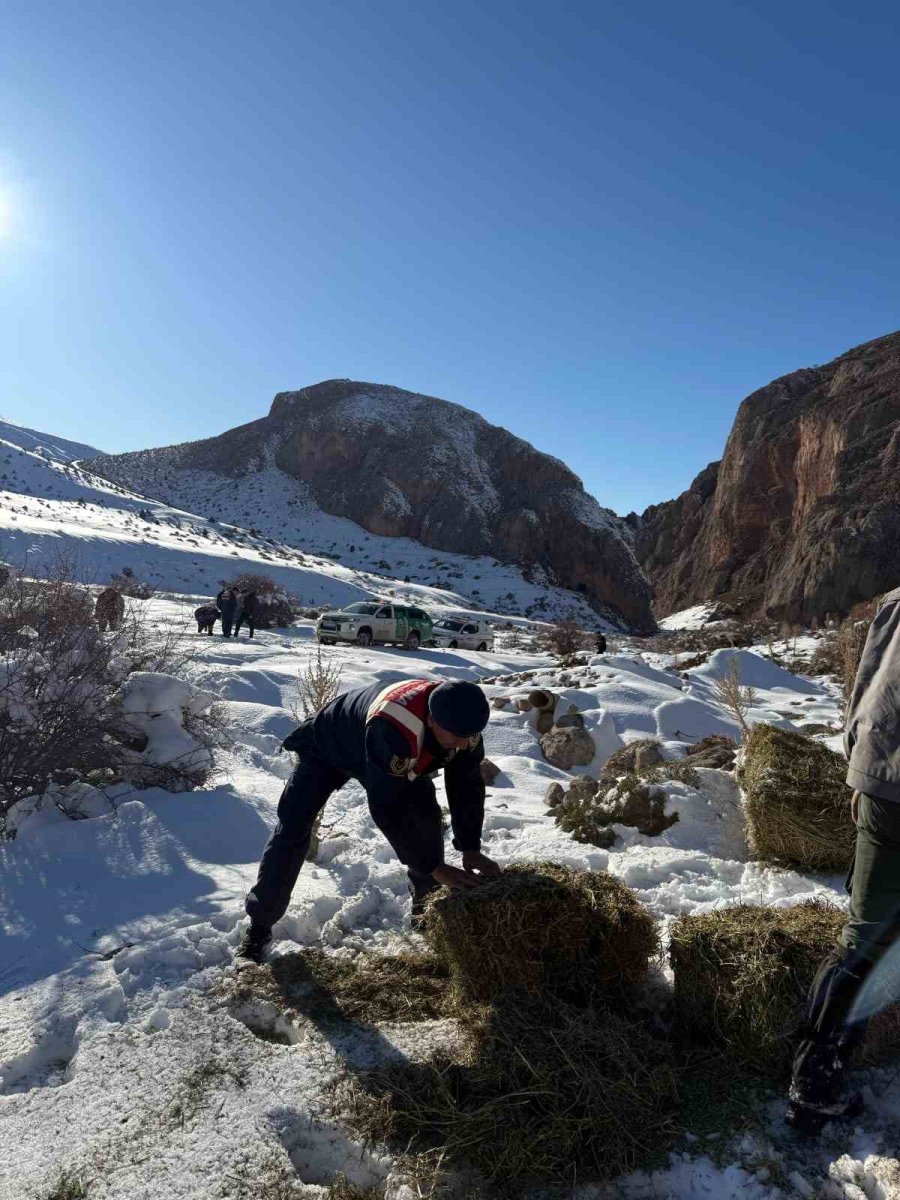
<point x="832" y="1029"/>
<point x="250" y="625"/>
<point x="226" y="625"/>
<point x="303" y="798"/>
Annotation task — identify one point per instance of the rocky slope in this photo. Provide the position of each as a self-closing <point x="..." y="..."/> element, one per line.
<point x="400" y="464"/>
<point x="802" y="515"/>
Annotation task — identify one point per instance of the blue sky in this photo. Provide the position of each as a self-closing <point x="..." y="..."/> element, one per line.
<point x="599" y="225"/>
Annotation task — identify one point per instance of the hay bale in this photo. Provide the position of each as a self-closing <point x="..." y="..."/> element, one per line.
<point x="796" y="800"/>
<point x="544" y="928"/>
<point x="742" y="975"/>
<point x="544" y="1092"/>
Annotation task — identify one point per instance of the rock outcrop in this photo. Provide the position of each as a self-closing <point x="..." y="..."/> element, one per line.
<point x="802" y="515"/>
<point x="402" y="464"/>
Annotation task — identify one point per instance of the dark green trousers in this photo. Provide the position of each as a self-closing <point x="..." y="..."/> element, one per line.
<point x="833" y="1029"/>
<point x="874" y="883"/>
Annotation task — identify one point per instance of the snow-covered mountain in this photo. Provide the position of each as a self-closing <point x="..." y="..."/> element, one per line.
<point x="56" y="449"/>
<point x="402" y="465"/>
<point x="50" y="507"/>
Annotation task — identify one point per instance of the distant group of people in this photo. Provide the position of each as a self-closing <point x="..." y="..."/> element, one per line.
<point x="233" y="608"/>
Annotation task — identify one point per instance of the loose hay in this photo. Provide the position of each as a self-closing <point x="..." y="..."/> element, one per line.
<point x="544" y="928"/>
<point x="369" y="988"/>
<point x="544" y="1092"/>
<point x="742" y="976"/>
<point x="796" y="800"/>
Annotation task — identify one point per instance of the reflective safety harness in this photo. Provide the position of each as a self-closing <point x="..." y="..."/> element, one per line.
<point x="405" y="705"/>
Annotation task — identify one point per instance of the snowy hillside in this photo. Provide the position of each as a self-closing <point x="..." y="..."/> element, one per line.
<point x="403" y="465"/>
<point x="122" y="1071"/>
<point x="48" y="508"/>
<point x="46" y="444"/>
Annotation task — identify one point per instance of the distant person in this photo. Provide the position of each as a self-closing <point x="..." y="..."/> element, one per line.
<point x="109" y="609"/>
<point x="206" y="616"/>
<point x="599" y="643"/>
<point x="227" y="604"/>
<point x="248" y="611"/>
<point x="392" y="739"/>
<point x="858" y="977"/>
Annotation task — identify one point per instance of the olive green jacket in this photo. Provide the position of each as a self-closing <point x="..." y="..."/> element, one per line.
<point x="872" y="737"/>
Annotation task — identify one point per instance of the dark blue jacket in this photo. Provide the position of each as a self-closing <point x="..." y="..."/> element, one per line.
<point x="339" y="735"/>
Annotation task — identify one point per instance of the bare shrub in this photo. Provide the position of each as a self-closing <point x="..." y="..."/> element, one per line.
<point x="61" y="715"/>
<point x="736" y="699"/>
<point x="317" y="685"/>
<point x="564" y="639"/>
<point x="275" y="608"/>
<point x="840" y="650"/>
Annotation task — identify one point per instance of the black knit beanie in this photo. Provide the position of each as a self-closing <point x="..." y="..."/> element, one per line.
<point x="460" y="708"/>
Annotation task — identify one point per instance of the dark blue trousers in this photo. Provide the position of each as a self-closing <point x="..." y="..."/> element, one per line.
<point x="312" y="781"/>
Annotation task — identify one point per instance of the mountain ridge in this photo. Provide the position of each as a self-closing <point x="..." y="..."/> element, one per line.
<point x="402" y="464"/>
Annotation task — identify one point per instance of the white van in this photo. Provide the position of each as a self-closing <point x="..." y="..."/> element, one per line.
<point x="463" y="635"/>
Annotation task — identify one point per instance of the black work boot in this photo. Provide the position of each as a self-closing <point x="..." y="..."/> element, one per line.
<point x="254" y="943"/>
<point x="810" y="1118"/>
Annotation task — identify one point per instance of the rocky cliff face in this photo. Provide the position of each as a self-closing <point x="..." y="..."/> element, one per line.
<point x="802" y="515"/>
<point x="402" y="464"/>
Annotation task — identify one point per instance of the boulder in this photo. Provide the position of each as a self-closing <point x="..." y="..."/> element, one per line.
<point x="554" y="794"/>
<point x="489" y="771"/>
<point x="633" y="759"/>
<point x="544" y="722"/>
<point x="568" y="747"/>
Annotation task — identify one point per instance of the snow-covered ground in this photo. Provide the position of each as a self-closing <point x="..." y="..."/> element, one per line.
<point x="117" y="1066"/>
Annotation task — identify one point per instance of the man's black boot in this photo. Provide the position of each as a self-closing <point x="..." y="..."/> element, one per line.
<point x="254" y="943"/>
<point x="811" y="1119"/>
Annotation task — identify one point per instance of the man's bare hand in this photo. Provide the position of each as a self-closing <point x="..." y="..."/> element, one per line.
<point x="854" y="807"/>
<point x="455" y="878"/>
<point x="480" y="864"/>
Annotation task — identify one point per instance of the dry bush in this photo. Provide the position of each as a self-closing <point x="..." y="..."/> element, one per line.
<point x="276" y="609"/>
<point x="317" y="685"/>
<point x="742" y="975"/>
<point x="839" y="652"/>
<point x="545" y="928"/>
<point x="564" y="639"/>
<point x="724" y="635"/>
<point x="61" y="718"/>
<point x="635" y="799"/>
<point x="737" y="700"/>
<point x="797" y="801"/>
